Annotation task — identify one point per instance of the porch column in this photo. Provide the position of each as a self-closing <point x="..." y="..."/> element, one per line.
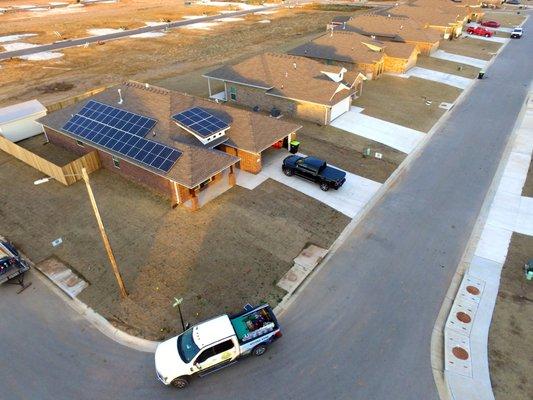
<point x="231" y="176"/>
<point x="194" y="200"/>
<point x="175" y="194"/>
<point x="209" y="86"/>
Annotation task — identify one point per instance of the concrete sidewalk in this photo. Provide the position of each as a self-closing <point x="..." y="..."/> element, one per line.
<point x="467" y="370"/>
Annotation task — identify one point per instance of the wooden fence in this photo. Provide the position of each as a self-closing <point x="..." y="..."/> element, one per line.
<point x="67" y="174"/>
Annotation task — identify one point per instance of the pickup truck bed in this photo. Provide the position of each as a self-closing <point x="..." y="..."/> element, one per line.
<point x="252" y="324"/>
<point x="11" y="265"/>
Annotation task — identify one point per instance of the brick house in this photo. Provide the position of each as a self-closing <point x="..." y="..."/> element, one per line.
<point x="393" y="29"/>
<point x="360" y="53"/>
<point x="205" y="167"/>
<point x="290" y="85"/>
<point x="446" y="17"/>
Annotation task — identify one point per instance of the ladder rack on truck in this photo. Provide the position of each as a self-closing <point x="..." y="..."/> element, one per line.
<point x="12" y="266"/>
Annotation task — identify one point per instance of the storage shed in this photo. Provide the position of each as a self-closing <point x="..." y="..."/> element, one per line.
<point x="18" y="122"/>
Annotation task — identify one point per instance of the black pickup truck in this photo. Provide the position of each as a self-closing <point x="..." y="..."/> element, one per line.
<point x="315" y="170"/>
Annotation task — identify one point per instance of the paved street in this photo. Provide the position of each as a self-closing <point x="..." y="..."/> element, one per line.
<point x="361" y="329"/>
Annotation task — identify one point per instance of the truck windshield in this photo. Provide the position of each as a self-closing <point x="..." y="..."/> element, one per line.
<point x="187" y="349"/>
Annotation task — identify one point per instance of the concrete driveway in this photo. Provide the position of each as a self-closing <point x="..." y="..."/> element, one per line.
<point x="475" y="62"/>
<point x="496" y="39"/>
<point x="349" y="199"/>
<point x="442" y="77"/>
<point x="393" y="135"/>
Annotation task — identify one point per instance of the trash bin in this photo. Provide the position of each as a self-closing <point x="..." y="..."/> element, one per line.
<point x="294" y="145"/>
<point x="480" y="74"/>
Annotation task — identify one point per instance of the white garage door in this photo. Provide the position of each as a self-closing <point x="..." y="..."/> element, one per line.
<point x="340" y="108"/>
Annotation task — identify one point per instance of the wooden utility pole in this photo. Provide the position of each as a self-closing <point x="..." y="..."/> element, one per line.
<point x="123" y="292"/>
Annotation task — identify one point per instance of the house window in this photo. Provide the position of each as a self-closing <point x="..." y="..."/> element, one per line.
<point x="116" y="162"/>
<point x="81" y="144"/>
<point x="233" y="93"/>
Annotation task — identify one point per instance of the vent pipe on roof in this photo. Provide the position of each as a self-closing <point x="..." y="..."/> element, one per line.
<point x="120" y="96"/>
<point x="294" y="65"/>
<point x="388" y="15"/>
<point x="146" y="85"/>
<point x="286" y="74"/>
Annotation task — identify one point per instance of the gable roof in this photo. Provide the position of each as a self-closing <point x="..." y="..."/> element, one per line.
<point x="352" y="47"/>
<point x="248" y="131"/>
<point x="395" y="28"/>
<point x="287" y="76"/>
<point x="432" y="12"/>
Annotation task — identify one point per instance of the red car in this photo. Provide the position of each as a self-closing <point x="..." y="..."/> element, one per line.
<point x="479" y="31"/>
<point x="491" y="24"/>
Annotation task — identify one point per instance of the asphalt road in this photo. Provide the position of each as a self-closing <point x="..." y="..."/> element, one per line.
<point x="360" y="329"/>
<point x="123" y="34"/>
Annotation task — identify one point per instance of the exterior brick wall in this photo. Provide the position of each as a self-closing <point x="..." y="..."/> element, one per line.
<point x="251" y="97"/>
<point x="130" y="171"/>
<point x="248" y="161"/>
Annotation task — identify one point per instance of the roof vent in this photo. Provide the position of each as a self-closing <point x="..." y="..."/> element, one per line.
<point x="388" y="15"/>
<point x="286" y="74"/>
<point x="401" y="26"/>
<point x="146" y="85"/>
<point x="120" y="101"/>
<point x="294" y="65"/>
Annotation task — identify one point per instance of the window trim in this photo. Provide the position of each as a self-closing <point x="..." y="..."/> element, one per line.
<point x="80" y="143"/>
<point x="116" y="162"/>
<point x="233" y="93"/>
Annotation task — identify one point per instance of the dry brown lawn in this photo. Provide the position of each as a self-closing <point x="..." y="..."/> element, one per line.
<point x="510" y="352"/>
<point x="506" y="19"/>
<point x="403" y="101"/>
<point x="466" y="46"/>
<point x="527" y="190"/>
<point x="55" y="154"/>
<point x="447" y="66"/>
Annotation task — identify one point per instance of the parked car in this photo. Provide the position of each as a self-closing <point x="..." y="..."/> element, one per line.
<point x="515" y="2"/>
<point x="517" y="33"/>
<point x="315" y="170"/>
<point x="491" y="24"/>
<point x="215" y="344"/>
<point x="479" y="31"/>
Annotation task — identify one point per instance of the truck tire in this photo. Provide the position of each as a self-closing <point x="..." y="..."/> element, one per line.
<point x="180" y="382"/>
<point x="324" y="186"/>
<point x="288" y="171"/>
<point x="259" y="350"/>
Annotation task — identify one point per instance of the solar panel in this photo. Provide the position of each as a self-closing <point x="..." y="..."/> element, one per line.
<point x="200" y="122"/>
<point x="86" y="126"/>
<point x="120" y="119"/>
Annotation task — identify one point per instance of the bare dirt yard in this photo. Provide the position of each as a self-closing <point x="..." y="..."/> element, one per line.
<point x="404" y="101"/>
<point x="447" y="66"/>
<point x="48" y="151"/>
<point x="178" y="52"/>
<point x="466" y="46"/>
<point x="232" y="251"/>
<point x="510" y="353"/>
<point x="527" y="190"/>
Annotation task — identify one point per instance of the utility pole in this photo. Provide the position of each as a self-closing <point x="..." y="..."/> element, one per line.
<point x="118" y="276"/>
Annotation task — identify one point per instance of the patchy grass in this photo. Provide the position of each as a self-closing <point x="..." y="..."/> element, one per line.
<point x="466" y="46"/>
<point x="403" y="101"/>
<point x="345" y="150"/>
<point x="506" y="20"/>
<point x="232" y="251"/>
<point x="510" y="354"/>
<point x="335" y="7"/>
<point x="447" y="66"/>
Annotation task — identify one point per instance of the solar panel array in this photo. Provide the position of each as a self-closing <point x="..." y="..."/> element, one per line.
<point x="112" y="134"/>
<point x="200" y="122"/>
<point x="120" y="119"/>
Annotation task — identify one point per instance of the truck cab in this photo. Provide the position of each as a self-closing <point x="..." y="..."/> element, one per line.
<point x="215" y="344"/>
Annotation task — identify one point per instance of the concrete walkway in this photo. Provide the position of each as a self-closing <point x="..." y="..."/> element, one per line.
<point x="469" y="378"/>
<point x="349" y="199"/>
<point x="442" y="77"/>
<point x="393" y="135"/>
<point x="443" y="55"/>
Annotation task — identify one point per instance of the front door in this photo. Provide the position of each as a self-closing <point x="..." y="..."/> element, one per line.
<point x="216" y="355"/>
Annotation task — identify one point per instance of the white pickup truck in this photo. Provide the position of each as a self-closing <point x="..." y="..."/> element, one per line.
<point x="215" y="344"/>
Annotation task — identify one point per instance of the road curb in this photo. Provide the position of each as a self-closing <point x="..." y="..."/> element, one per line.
<point x="99" y="322"/>
<point x="437" y="337"/>
<point x="391" y="180"/>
